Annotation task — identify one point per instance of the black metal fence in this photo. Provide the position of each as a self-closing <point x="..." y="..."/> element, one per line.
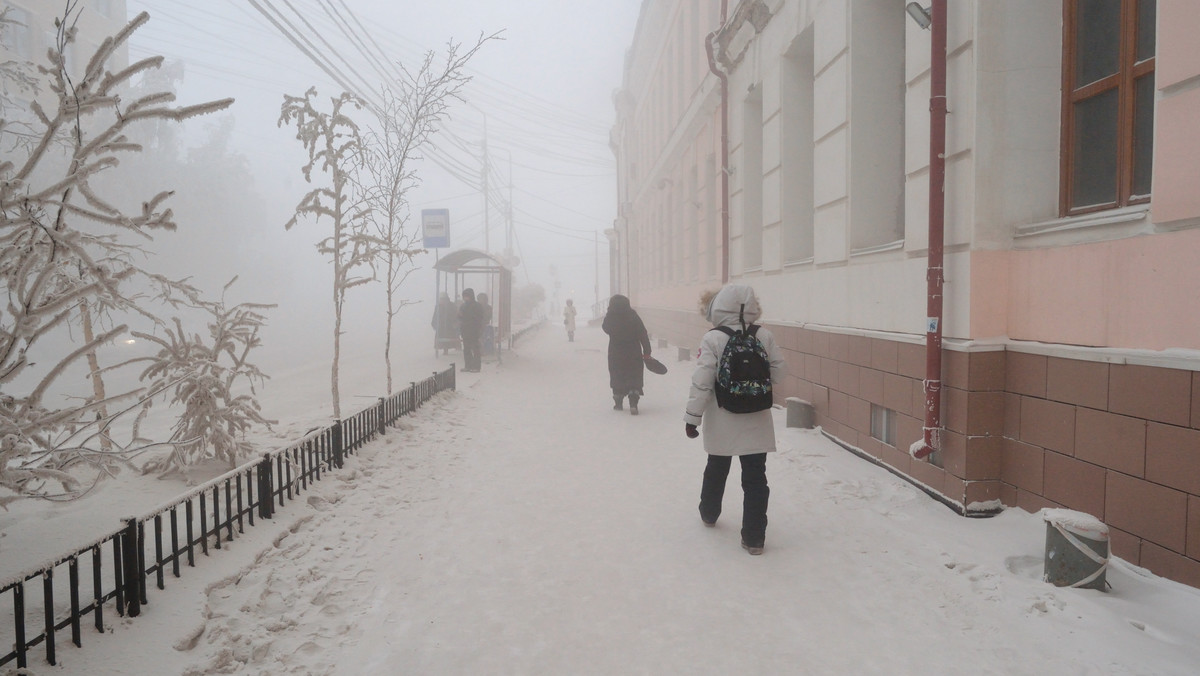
<point x="120" y="563"/>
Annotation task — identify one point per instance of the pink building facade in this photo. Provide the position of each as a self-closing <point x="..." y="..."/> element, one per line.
<point x="1071" y="362"/>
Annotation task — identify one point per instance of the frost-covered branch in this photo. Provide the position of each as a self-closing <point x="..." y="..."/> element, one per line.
<point x="334" y="147"/>
<point x="66" y="260"/>
<point x="205" y="376"/>
<point x="414" y="108"/>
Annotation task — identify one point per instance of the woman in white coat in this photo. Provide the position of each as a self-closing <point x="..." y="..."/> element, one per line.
<point x="569" y="320"/>
<point x="749" y="436"/>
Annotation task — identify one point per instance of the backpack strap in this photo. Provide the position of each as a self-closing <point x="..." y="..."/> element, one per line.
<point x="723" y="329"/>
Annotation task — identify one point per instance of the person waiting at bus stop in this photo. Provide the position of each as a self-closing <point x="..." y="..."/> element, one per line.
<point x="470" y="327"/>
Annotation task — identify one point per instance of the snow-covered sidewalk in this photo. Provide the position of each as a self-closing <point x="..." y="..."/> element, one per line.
<point x="521" y="526"/>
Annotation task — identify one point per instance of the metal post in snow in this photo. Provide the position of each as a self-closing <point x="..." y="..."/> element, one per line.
<point x="129" y="563"/>
<point x="265" y="495"/>
<point x="337" y="444"/>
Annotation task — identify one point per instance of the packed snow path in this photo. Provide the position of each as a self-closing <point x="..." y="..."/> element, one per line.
<point x="522" y="526"/>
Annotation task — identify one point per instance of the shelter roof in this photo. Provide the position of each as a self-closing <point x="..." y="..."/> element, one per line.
<point x="469" y="259"/>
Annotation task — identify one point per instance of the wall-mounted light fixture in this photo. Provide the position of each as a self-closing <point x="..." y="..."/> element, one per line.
<point x="919" y="14"/>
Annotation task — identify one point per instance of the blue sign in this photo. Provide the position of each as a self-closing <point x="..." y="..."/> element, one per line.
<point x="435" y="226"/>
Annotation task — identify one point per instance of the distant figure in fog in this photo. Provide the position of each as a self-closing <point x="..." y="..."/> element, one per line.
<point x="628" y="346"/>
<point x="569" y="320"/>
<point x="488" y="336"/>
<point x="445" y="324"/>
<point x="470" y="327"/>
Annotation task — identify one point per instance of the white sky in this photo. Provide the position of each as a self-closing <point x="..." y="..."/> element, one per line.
<point x="545" y="89"/>
<point x="521" y="526"/>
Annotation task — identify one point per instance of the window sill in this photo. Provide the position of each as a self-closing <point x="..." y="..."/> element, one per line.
<point x="1094" y="227"/>
<point x="878" y="248"/>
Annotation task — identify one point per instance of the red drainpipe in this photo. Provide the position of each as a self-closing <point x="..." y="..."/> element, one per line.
<point x="935" y="274"/>
<point x="712" y="65"/>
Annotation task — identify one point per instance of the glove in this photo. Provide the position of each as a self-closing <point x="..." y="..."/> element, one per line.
<point x="690" y="430"/>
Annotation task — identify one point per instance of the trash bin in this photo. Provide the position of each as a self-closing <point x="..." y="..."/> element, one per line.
<point x="1076" y="549"/>
<point x="800" y="413"/>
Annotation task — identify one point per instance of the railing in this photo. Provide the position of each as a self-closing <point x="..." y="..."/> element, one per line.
<point x="210" y="514"/>
<point x="524" y="330"/>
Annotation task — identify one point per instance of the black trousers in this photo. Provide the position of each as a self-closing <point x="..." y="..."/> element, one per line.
<point x="471" y="353"/>
<point x="755" y="493"/>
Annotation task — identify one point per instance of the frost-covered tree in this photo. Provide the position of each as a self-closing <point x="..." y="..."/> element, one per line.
<point x="71" y="260"/>
<point x="412" y="111"/>
<point x="205" y="377"/>
<point x="334" y="147"/>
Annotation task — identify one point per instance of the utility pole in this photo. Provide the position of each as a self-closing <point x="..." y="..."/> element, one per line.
<point x="508" y="233"/>
<point x="487" y="246"/>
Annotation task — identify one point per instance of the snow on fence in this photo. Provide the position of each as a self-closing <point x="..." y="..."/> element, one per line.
<point x="211" y="513"/>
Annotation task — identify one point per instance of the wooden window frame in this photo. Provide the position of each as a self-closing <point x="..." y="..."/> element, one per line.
<point x="1124" y="80"/>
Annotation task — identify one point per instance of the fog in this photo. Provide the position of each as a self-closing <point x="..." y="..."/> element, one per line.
<point x="541" y="94"/>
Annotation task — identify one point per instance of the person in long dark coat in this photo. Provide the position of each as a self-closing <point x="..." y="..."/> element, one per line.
<point x="445" y="324"/>
<point x="628" y="346"/>
<point x="470" y="327"/>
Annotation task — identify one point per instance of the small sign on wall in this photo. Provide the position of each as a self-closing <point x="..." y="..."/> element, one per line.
<point x="435" y="226"/>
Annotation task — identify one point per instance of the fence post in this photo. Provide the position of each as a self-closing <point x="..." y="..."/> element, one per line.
<point x="414" y="403"/>
<point x="19" y="618"/>
<point x="379" y="418"/>
<point x="265" y="493"/>
<point x="48" y="611"/>
<point x="337" y="444"/>
<point x="129" y="561"/>
<point x="453" y="376"/>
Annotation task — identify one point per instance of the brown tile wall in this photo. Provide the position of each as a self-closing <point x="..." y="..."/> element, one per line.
<point x="1118" y="441"/>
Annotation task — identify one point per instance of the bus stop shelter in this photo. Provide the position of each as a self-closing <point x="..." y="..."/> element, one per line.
<point x="474" y="269"/>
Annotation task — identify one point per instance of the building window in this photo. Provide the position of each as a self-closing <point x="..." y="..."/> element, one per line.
<point x="18" y="33"/>
<point x="104" y="8"/>
<point x="1108" y="103"/>
<point x="883" y="424"/>
<point x="877" y="86"/>
<point x="796" y="148"/>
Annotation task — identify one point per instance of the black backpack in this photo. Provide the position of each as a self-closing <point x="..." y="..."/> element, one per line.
<point x="744" y="372"/>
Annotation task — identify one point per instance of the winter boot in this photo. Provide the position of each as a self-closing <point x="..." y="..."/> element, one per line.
<point x="617" y="403"/>
<point x="633" y="400"/>
<point x="754" y="548"/>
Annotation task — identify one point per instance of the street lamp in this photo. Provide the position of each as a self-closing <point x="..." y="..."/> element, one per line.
<point x="919" y="14"/>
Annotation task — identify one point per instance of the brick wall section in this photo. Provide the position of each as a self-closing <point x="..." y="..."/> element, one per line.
<point x="844" y="375"/>
<point x="1118" y="441"/>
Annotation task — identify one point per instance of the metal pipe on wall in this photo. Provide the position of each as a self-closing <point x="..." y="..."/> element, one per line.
<point x="935" y="272"/>
<point x="724" y="79"/>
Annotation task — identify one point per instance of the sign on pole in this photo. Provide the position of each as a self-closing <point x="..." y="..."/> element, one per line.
<point x="435" y="224"/>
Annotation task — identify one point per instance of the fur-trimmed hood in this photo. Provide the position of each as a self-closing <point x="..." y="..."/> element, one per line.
<point x="732" y="305"/>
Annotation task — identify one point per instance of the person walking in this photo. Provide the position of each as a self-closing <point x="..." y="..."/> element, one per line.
<point x="470" y="327"/>
<point x="749" y="436"/>
<point x="628" y="346"/>
<point x="569" y="320"/>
